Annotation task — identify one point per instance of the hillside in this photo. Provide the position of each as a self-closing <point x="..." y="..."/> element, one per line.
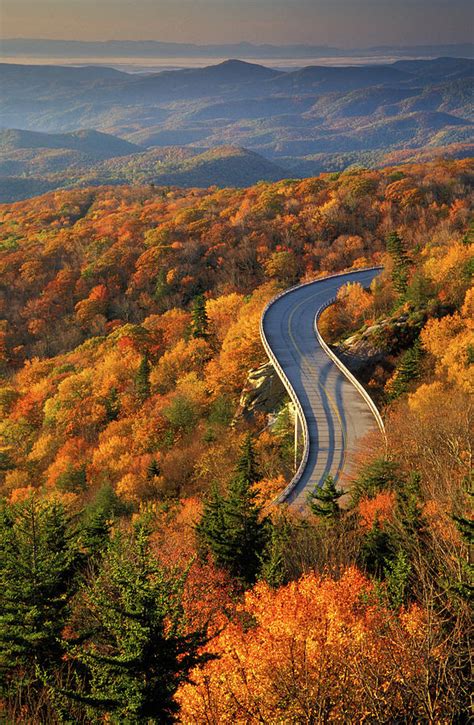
<point x="305" y="120"/>
<point x="24" y="173"/>
<point x="100" y="145"/>
<point x="129" y="475"/>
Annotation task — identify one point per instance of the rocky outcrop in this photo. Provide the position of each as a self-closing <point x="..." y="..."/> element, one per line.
<point x="263" y="392"/>
<point x="386" y="337"/>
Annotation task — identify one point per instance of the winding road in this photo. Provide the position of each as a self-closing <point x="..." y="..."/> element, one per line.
<point x="334" y="411"/>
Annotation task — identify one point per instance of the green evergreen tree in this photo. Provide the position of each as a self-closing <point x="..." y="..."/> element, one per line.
<point x="112" y="405"/>
<point x="468" y="238"/>
<point x="153" y="469"/>
<point x="379" y="475"/>
<point x="211" y="528"/>
<point x="38" y="560"/>
<point x="420" y="291"/>
<point x="138" y="652"/>
<point x="274" y="568"/>
<point x="323" y="500"/>
<point x="96" y="532"/>
<point x="408" y="510"/>
<point x="396" y="249"/>
<point x="142" y="379"/>
<point x="72" y="480"/>
<point x="232" y="527"/>
<point x="408" y="370"/>
<point x="397" y="573"/>
<point x="200" y="320"/>
<point x="246" y="467"/>
<point x="376" y="550"/>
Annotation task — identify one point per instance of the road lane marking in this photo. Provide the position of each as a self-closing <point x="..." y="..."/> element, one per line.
<point x="312" y="374"/>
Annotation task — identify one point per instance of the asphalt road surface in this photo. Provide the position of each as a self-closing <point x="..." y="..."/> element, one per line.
<point x="336" y="413"/>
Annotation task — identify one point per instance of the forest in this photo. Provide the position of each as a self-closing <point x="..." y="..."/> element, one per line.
<point x="146" y="575"/>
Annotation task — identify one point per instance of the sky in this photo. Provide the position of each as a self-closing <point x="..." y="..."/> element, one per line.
<point x="341" y="23"/>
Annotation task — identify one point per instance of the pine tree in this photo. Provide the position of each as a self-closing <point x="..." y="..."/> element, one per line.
<point x="96" y="532"/>
<point x="142" y="379"/>
<point x="396" y="249"/>
<point x="379" y="475"/>
<point x="38" y="563"/>
<point x="232" y="528"/>
<point x="153" y="469"/>
<point x="408" y="370"/>
<point x="200" y="320"/>
<point x="211" y="528"/>
<point x="408" y="510"/>
<point x="274" y="568"/>
<point x="323" y="500"/>
<point x="112" y="405"/>
<point x="138" y="652"/>
<point x="397" y="573"/>
<point x="376" y="550"/>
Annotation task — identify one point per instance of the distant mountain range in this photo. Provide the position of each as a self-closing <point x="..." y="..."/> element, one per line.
<point x="230" y="124"/>
<point x="37" y="47"/>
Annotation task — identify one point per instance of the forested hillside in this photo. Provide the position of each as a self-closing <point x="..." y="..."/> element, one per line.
<point x="146" y="577"/>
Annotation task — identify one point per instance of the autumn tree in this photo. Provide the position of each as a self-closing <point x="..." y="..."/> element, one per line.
<point x="326" y="650"/>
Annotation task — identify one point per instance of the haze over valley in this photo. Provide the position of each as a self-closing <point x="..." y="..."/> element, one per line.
<point x="229" y="124"/>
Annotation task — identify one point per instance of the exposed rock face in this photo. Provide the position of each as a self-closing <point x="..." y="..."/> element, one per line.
<point x="386" y="337"/>
<point x="263" y="392"/>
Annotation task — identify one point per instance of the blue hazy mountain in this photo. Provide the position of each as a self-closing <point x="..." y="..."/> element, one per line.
<point x="297" y="123"/>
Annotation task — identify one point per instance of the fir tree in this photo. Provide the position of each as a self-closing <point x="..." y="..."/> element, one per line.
<point x="200" y="320"/>
<point x="274" y="567"/>
<point x="397" y="573"/>
<point x="153" y="469"/>
<point x="323" y="500"/>
<point x="138" y="652"/>
<point x="112" y="405"/>
<point x="73" y="479"/>
<point x="396" y="249"/>
<point x="408" y="370"/>
<point x="38" y="563"/>
<point x="142" y="379"/>
<point x="96" y="531"/>
<point x="408" y="509"/>
<point x="247" y="467"/>
<point x="379" y="475"/>
<point x="376" y="551"/>
<point x="232" y="528"/>
<point x="211" y="528"/>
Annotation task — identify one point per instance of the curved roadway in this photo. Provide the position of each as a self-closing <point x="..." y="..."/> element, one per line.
<point x="336" y="413"/>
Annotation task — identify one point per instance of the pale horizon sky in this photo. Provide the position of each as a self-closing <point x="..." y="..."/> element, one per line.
<point x="342" y="23"/>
